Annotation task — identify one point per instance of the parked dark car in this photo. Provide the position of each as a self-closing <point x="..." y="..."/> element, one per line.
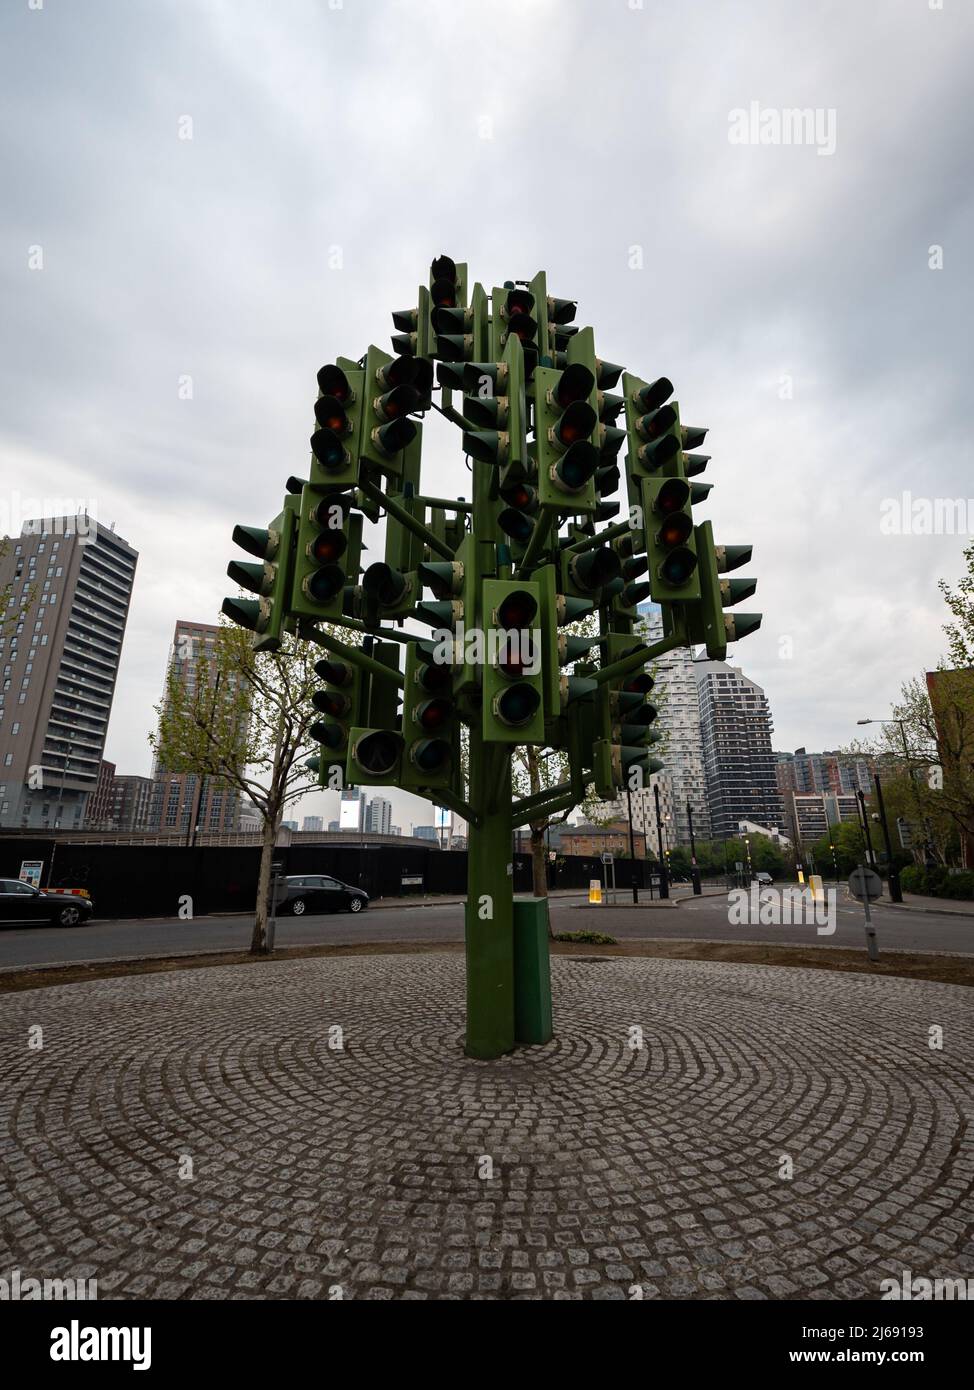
<point x="24" y="905"/>
<point x="321" y="893"/>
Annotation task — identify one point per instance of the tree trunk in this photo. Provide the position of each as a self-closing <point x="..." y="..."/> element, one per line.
<point x="258" y="942"/>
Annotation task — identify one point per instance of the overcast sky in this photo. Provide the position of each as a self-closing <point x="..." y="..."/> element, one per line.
<point x="786" y="289"/>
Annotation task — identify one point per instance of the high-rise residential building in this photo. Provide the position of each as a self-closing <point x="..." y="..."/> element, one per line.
<point x="835" y="774"/>
<point x="70" y="584"/>
<point x="98" y="812"/>
<point x="682" y="780"/>
<point x="378" y="816"/>
<point x="333" y="827"/>
<point x="184" y="800"/>
<point x="740" y="765"/>
<point x="131" y="802"/>
<point x="311" y="823"/>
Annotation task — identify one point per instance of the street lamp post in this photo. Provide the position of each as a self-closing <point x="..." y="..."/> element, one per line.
<point x="694" y="871"/>
<point x="632" y="847"/>
<point x="664" y="887"/>
<point x="928" y="854"/>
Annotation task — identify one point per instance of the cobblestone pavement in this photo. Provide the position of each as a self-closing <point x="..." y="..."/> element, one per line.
<point x="367" y="1169"/>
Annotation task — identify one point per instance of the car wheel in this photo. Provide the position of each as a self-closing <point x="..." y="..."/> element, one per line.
<point x="69" y="916"/>
<point x="297" y="907"/>
<point x="355" y="905"/>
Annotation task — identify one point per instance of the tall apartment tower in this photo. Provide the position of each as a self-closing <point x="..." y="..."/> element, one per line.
<point x="741" y="767"/>
<point x="61" y="641"/>
<point x="683" y="777"/>
<point x="378" y="816"/>
<point x="184" y="801"/>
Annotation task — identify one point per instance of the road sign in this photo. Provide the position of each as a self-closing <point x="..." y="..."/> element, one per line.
<point x="606" y="858"/>
<point x="865" y="883"/>
<point x="30" y="871"/>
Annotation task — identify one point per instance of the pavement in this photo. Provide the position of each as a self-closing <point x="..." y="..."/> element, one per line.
<point x="311" y="1129"/>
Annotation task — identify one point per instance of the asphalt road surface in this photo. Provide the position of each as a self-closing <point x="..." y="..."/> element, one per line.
<point x="703" y="918"/>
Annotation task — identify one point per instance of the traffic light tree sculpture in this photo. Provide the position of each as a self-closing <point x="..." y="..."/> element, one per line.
<point x="491" y="588"/>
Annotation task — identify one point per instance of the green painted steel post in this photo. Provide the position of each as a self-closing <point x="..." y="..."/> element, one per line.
<point x="489" y="916"/>
<point x="532" y="972"/>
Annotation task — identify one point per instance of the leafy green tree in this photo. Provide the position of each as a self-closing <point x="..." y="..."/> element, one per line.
<point x="245" y="723"/>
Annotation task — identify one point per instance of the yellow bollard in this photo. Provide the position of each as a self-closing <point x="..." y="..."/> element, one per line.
<point x="815" y="883"/>
<point x="594" y="891"/>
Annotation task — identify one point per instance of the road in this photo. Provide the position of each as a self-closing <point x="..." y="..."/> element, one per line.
<point x="704" y="918"/>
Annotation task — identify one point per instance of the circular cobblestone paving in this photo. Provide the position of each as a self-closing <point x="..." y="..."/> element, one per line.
<point x="211" y="1134"/>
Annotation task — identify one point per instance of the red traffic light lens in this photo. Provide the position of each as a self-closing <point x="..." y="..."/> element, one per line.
<point x="433" y="715"/>
<point x="332" y="381"/>
<point x="328" y="547"/>
<point x="517" y="610"/>
<point x="576" y="383"/>
<point x="673" y="496"/>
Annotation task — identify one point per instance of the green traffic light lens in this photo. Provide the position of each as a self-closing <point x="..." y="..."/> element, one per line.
<point x="329" y="450"/>
<point x="516" y="525"/>
<point x="325" y="583"/>
<point x="393" y="437"/>
<point x="517" y="706"/>
<point x="678" y="566"/>
<point x="431" y="755"/>
<point x="573" y="471"/>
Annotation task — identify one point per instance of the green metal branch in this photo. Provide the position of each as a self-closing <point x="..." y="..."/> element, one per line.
<point x="353" y="654"/>
<point x="591" y="542"/>
<point x="456" y="505"/>
<point x="443" y="797"/>
<point x="635" y="659"/>
<point x="405" y="518"/>
<point x="550" y="808"/>
<point x="535" y="545"/>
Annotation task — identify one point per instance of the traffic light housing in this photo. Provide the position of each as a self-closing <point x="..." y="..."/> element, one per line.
<point x="708" y="623"/>
<point x="374" y="758"/>
<point x="430" y="724"/>
<point x="327" y="555"/>
<point x="270" y="579"/>
<point x="340" y="704"/>
<point x="567" y="430"/>
<point x="671" y="546"/>
<point x="513" y="680"/>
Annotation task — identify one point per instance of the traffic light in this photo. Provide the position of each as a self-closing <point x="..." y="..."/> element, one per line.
<point x="327" y="555"/>
<point x="619" y="766"/>
<point x="374" y="758"/>
<point x="496" y="401"/>
<point x="388" y="592"/>
<point x="270" y="580"/>
<point x="340" y="703"/>
<point x="670" y="544"/>
<point x="513" y="316"/>
<point x="566" y="430"/>
<point x="338" y="410"/>
<point x="517" y="518"/>
<point x="430" y="727"/>
<point x="513" y="681"/>
<point x="394" y="387"/>
<point x="585" y="573"/>
<point x="708" y="623"/>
